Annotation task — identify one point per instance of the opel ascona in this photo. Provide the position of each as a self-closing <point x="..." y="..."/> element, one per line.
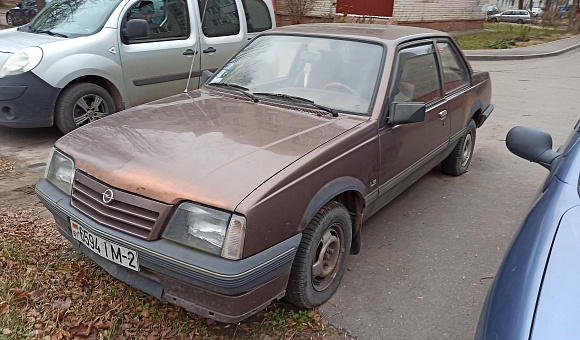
<point x="255" y="186"/>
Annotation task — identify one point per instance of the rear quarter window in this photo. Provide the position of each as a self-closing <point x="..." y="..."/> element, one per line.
<point x="258" y="17"/>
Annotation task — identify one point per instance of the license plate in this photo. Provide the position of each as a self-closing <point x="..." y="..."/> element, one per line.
<point x="111" y="251"/>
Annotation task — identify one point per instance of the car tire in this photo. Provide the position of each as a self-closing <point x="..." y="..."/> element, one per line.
<point x="458" y="161"/>
<point x="320" y="261"/>
<point x="80" y="104"/>
<point x="9" y="20"/>
<point x="493" y="19"/>
<point x="520" y="21"/>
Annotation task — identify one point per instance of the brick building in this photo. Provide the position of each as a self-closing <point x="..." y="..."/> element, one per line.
<point x="445" y="15"/>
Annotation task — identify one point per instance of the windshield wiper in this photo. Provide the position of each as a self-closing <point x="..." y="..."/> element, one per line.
<point x="333" y="112"/>
<point x="237" y="88"/>
<point x="54" y="34"/>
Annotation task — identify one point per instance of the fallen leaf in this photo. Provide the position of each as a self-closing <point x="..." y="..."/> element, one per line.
<point x="4" y="308"/>
<point x="62" y="304"/>
<point x="6" y="331"/>
<point x="103" y="325"/>
<point x="81" y="329"/>
<point x="146" y="323"/>
<point x="81" y="278"/>
<point x="145" y="313"/>
<point x="173" y="315"/>
<point x="19" y="293"/>
<point x="38" y="294"/>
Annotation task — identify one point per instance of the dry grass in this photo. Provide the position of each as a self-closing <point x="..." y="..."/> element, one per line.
<point x="50" y="291"/>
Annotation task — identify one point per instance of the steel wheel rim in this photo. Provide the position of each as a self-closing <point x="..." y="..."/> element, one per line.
<point x="89" y="108"/>
<point x="466" y="152"/>
<point x="9" y="20"/>
<point x="325" y="264"/>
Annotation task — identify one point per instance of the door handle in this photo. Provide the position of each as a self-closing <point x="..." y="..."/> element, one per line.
<point x="209" y="50"/>
<point x="443" y="114"/>
<point x="189" y="51"/>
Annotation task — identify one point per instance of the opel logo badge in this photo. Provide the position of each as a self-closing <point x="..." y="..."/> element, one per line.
<point x="108" y="196"/>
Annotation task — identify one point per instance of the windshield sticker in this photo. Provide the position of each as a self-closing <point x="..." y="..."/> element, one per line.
<point x="228" y="66"/>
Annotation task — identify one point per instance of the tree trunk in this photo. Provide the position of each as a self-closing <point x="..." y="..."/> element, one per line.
<point x="521" y="4"/>
<point x="571" y="20"/>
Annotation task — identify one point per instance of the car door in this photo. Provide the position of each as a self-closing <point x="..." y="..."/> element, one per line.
<point x="456" y="82"/>
<point x="158" y="66"/>
<point x="506" y="16"/>
<point x="223" y="31"/>
<point x="408" y="151"/>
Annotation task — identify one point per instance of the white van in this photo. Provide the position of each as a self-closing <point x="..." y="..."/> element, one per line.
<point x="81" y="60"/>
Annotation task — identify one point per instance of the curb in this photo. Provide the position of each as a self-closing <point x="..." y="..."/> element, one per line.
<point x="521" y="56"/>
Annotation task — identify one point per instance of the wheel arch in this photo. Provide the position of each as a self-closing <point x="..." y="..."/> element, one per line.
<point x="475" y="112"/>
<point x="104" y="83"/>
<point x="347" y="191"/>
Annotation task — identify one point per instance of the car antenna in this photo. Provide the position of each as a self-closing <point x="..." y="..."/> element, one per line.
<point x="195" y="53"/>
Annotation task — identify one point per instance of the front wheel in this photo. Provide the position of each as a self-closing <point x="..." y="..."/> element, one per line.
<point x="458" y="161"/>
<point x="520" y="21"/>
<point x="80" y="104"/>
<point x="9" y="20"/>
<point x="320" y="261"/>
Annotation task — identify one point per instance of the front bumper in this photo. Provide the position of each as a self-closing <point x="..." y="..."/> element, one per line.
<point x="225" y="290"/>
<point x="26" y="101"/>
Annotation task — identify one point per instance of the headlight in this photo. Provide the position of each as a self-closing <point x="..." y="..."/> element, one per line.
<point x="60" y="171"/>
<point x="21" y="61"/>
<point x="207" y="229"/>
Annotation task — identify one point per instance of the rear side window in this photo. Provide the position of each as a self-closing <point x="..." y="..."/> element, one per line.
<point x="167" y="20"/>
<point x="219" y="17"/>
<point x="257" y="15"/>
<point x="454" y="71"/>
<point x="417" y="75"/>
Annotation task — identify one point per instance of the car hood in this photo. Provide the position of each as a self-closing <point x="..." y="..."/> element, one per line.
<point x="200" y="146"/>
<point x="12" y="40"/>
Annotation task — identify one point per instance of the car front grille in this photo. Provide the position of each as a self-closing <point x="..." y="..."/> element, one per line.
<point x="129" y="213"/>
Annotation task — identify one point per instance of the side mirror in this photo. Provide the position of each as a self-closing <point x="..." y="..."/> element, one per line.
<point x="205" y="75"/>
<point x="533" y="145"/>
<point x="406" y="113"/>
<point x="136" y="29"/>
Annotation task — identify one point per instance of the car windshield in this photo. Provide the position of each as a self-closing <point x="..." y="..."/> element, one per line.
<point x="337" y="74"/>
<point x="73" y="17"/>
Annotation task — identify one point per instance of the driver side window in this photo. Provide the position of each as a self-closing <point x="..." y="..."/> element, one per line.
<point x="417" y="75"/>
<point x="167" y="20"/>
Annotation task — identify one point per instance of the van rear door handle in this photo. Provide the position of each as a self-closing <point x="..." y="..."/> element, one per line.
<point x="189" y="51"/>
<point x="209" y="50"/>
<point x="443" y="114"/>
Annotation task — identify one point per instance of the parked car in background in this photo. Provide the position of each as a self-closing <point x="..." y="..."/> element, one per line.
<point x="535" y="294"/>
<point x="256" y="186"/>
<point x="515" y="16"/>
<point x="78" y="61"/>
<point x="491" y="10"/>
<point x="536" y="12"/>
<point x="22" y="13"/>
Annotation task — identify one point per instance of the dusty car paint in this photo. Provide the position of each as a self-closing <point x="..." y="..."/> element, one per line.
<point x="276" y="164"/>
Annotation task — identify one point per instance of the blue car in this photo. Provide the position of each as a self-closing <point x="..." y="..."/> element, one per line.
<point x="536" y="294"/>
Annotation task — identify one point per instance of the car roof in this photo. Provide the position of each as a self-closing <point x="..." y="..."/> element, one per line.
<point x="372" y="31"/>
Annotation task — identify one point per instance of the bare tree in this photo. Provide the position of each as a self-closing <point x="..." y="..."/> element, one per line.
<point x="297" y="9"/>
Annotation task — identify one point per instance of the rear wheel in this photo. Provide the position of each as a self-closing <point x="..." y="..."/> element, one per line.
<point x="321" y="258"/>
<point x="458" y="161"/>
<point x="80" y="104"/>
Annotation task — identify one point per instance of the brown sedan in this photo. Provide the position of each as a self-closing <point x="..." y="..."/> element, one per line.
<point x="256" y="186"/>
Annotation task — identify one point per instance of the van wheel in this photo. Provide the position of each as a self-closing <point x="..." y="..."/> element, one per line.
<point x="321" y="257"/>
<point x="493" y="19"/>
<point x="458" y="161"/>
<point x="80" y="104"/>
<point x="9" y="19"/>
<point x="520" y="21"/>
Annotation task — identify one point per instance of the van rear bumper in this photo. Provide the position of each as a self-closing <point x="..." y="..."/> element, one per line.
<point x="26" y="101"/>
